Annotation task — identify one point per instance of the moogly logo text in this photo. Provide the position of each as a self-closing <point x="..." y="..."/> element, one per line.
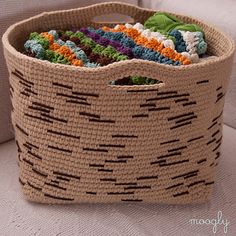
<point x="215" y="223"/>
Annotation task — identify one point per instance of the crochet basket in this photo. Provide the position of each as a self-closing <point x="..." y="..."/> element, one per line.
<point x="81" y="139"/>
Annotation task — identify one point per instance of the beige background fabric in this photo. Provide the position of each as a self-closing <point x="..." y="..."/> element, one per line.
<point x="22" y="218"/>
<point x="12" y="11"/>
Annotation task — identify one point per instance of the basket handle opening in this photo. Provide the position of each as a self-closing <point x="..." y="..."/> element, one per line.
<point x="148" y="71"/>
<point x="113" y="12"/>
<point x="115" y="18"/>
<point x="135" y="80"/>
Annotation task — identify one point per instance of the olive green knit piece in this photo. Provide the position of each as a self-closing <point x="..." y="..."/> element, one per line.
<point x="56" y="57"/>
<point x="79" y="35"/>
<point x="69" y="33"/>
<point x="109" y="51"/>
<point x="98" y="49"/>
<point x="41" y="40"/>
<point x="165" y="23"/>
<point x="88" y="42"/>
<point x="138" y="80"/>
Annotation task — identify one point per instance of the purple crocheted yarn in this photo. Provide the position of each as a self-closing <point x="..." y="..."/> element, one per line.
<point x="115" y="44"/>
<point x="84" y="30"/>
<point x="103" y="41"/>
<point x="126" y="51"/>
<point x="93" y="35"/>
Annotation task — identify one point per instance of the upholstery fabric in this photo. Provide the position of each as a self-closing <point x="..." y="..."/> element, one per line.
<point x="222" y="15"/>
<point x="12" y="11"/>
<point x="22" y="218"/>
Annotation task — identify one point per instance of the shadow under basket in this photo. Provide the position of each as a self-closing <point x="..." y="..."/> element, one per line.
<point x="81" y="139"/>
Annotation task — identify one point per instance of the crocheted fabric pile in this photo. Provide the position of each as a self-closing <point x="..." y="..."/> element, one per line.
<point x="91" y="47"/>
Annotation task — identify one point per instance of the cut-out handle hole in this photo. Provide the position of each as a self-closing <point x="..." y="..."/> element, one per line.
<point x="135" y="80"/>
<point x="114" y="18"/>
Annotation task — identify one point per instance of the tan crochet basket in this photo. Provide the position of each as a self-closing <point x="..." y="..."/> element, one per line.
<point x="81" y="139"/>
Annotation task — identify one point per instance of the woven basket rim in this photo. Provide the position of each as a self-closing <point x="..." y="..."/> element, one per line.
<point x="21" y="56"/>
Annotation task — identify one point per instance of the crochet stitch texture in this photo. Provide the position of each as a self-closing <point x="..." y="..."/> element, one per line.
<point x="91" y="47"/>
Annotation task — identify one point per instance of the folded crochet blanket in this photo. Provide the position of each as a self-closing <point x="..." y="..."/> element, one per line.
<point x="163" y="39"/>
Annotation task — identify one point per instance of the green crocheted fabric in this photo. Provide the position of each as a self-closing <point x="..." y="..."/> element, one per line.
<point x="165" y="23"/>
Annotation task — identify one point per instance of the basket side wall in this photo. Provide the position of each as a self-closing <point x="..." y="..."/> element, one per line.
<point x="116" y="144"/>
